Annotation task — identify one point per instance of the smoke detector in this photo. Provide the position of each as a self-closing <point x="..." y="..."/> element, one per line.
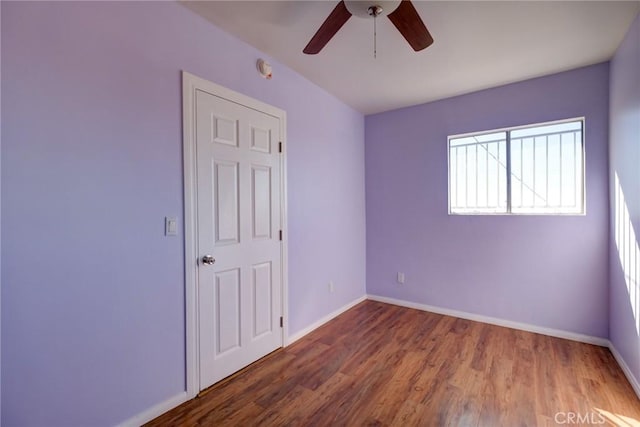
<point x="264" y="68"/>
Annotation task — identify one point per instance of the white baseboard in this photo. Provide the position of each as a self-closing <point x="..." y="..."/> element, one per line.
<point x="295" y="337"/>
<point x="625" y="368"/>
<point x="172" y="402"/>
<point x="603" y="342"/>
<point x="162" y="407"/>
<point x="155" y="411"/>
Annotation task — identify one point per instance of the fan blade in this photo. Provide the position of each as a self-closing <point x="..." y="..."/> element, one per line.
<point x="328" y="29"/>
<point x="408" y="22"/>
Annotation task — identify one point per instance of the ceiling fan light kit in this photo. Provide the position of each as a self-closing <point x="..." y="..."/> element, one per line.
<point x="361" y="8"/>
<point x="401" y="13"/>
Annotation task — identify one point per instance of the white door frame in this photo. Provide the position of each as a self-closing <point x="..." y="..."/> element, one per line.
<point x="190" y="84"/>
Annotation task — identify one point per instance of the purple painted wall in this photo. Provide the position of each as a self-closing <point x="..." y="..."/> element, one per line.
<point x="92" y="291"/>
<point x="547" y="271"/>
<point x="0" y="221"/>
<point x="624" y="160"/>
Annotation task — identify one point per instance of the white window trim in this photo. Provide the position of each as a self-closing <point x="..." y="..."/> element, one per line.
<point x="507" y="130"/>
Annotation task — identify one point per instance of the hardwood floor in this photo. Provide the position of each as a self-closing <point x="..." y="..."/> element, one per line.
<point x="379" y="364"/>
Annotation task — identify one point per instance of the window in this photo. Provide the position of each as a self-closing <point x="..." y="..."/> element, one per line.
<point x="536" y="169"/>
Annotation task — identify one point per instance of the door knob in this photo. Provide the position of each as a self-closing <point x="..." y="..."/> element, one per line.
<point x="208" y="259"/>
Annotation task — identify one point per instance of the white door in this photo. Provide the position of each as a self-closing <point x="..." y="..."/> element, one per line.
<point x="239" y="242"/>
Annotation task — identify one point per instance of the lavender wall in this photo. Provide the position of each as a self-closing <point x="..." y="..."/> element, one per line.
<point x="624" y="160"/>
<point x="548" y="271"/>
<point x="0" y="220"/>
<point x="92" y="292"/>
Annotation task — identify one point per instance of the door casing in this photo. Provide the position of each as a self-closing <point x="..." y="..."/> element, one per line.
<point x="191" y="83"/>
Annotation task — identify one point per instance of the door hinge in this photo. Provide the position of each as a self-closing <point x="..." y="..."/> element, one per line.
<point x="281" y="321"/>
<point x="280" y="235"/>
<point x="280" y="147"/>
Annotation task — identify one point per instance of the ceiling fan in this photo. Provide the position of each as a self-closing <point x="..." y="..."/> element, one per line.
<point x="401" y="13"/>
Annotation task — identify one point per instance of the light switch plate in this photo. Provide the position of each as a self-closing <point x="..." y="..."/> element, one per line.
<point x="170" y="226"/>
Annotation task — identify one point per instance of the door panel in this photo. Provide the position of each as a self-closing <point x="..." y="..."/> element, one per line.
<point x="227" y="300"/>
<point x="224" y="130"/>
<point x="260" y="140"/>
<point x="261" y="201"/>
<point x="238" y="177"/>
<point x="262" y="296"/>
<point x="225" y="202"/>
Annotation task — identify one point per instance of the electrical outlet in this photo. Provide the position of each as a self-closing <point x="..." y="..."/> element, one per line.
<point x="400" y="278"/>
<point x="331" y="287"/>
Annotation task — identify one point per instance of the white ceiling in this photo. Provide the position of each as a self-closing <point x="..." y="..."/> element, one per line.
<point x="478" y="44"/>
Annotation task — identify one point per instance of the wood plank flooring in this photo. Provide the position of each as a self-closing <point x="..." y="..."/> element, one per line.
<point x="383" y="365"/>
